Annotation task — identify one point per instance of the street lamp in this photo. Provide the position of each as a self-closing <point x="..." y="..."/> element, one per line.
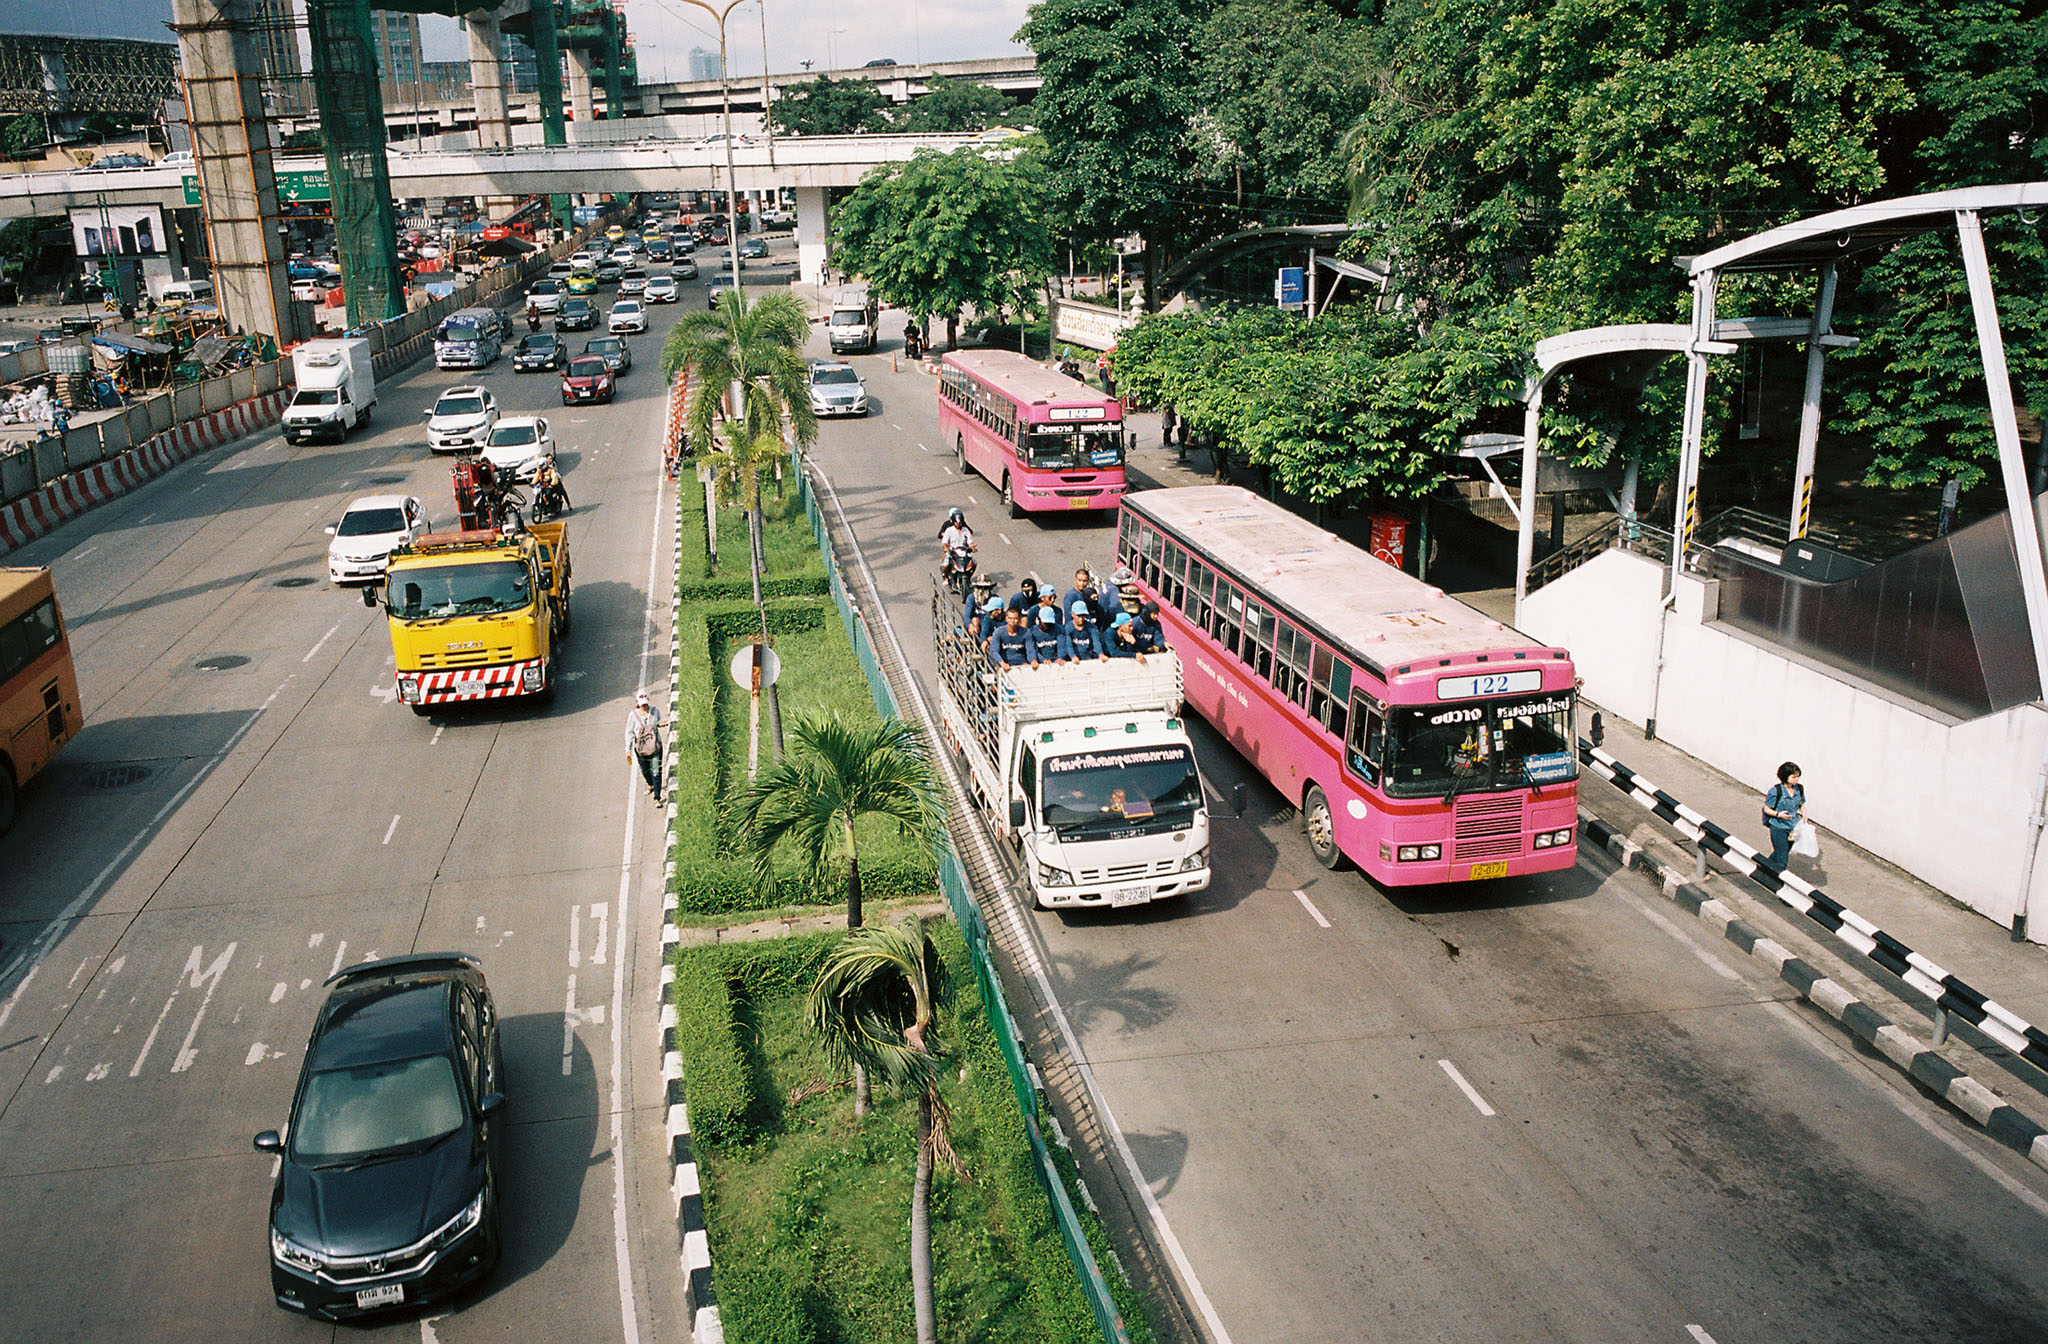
<point x="732" y="205"/>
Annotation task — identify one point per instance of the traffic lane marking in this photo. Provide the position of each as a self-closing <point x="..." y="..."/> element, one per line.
<point x="1471" y="1092"/>
<point x="1310" y="906"/>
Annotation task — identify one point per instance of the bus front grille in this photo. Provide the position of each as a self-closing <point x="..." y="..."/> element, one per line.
<point x="1488" y="826"/>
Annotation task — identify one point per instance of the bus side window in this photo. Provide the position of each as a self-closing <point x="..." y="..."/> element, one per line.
<point x="1338" y="697"/>
<point x="1258" y="639"/>
<point x="1202" y="582"/>
<point x="1175" y="586"/>
<point x="1229" y="614"/>
<point x="1364" y="743"/>
<point x="1148" y="555"/>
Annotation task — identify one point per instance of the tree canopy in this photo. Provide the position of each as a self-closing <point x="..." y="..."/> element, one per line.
<point x="954" y="105"/>
<point x="941" y="231"/>
<point x="828" y="106"/>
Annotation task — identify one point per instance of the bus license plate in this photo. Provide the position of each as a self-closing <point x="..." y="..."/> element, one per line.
<point x="1079" y="502"/>
<point x="1481" y="871"/>
<point x="1129" y="895"/>
<point x="388" y="1295"/>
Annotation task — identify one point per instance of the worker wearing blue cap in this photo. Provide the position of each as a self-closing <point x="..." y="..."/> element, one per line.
<point x="1083" y="641"/>
<point x="1045" y="639"/>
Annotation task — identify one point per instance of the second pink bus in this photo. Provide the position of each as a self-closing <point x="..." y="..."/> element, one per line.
<point x="1049" y="443"/>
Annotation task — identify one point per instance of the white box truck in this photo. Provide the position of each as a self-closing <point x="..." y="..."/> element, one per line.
<point x="1086" y="768"/>
<point x="850" y="328"/>
<point x="336" y="390"/>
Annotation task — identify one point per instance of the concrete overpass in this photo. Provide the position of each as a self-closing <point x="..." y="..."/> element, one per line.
<point x="810" y="165"/>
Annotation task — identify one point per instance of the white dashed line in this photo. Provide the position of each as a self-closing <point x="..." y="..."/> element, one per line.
<point x="1700" y="1335"/>
<point x="1471" y="1092"/>
<point x="922" y="449"/>
<point x="392" y="829"/>
<point x="320" y="643"/>
<point x="1310" y="906"/>
<point x="437" y="734"/>
<point x="83" y="552"/>
<point x="1006" y="540"/>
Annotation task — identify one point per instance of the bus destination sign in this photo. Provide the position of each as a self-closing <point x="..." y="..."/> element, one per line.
<point x="1489" y="683"/>
<point x="1074" y="413"/>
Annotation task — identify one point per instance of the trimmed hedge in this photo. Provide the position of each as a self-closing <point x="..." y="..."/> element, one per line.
<point x="742" y="590"/>
<point x="723" y="1099"/>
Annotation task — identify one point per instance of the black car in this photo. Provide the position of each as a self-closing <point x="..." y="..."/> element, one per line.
<point x="539" y="351"/>
<point x="387" y="1189"/>
<point x="609" y="270"/>
<point x="576" y="314"/>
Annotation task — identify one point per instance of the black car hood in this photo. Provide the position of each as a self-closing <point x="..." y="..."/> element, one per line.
<point x="379" y="1207"/>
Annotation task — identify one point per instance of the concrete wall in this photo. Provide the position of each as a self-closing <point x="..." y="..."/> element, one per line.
<point x="1948" y="801"/>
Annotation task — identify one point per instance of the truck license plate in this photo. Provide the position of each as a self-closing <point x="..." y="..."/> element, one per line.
<point x="388" y="1295"/>
<point x="1481" y="871"/>
<point x="1129" y="895"/>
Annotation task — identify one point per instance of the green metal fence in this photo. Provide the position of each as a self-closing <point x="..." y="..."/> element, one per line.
<point x="974" y="929"/>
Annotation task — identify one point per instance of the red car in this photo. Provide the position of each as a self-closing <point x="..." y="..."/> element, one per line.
<point x="586" y="379"/>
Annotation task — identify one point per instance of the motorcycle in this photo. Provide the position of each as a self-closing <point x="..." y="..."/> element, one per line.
<point x="549" y="499"/>
<point x="958" y="569"/>
<point x="913" y="344"/>
<point x="533" y="319"/>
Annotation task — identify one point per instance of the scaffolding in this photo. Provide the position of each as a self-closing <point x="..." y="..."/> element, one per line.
<point x="352" y="126"/>
<point x="63" y="75"/>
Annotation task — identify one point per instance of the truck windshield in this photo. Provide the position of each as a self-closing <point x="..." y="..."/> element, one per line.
<point x="1099" y="795"/>
<point x="1070" y="446"/>
<point x="846" y="318"/>
<point x="460" y="590"/>
<point x="316" y="396"/>
<point x="1439" y="750"/>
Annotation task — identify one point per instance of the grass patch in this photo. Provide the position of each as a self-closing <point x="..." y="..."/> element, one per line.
<point x="810" y="1214"/>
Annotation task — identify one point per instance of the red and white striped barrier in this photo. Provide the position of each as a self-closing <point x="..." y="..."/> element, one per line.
<point x="477" y="683"/>
<point x="30" y="517"/>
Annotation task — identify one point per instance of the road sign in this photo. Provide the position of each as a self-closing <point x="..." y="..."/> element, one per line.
<point x="743" y="668"/>
<point x="292" y="188"/>
<point x="1291" y="289"/>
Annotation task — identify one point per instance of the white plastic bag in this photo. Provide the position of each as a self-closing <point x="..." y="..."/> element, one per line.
<point x="1805" y="840"/>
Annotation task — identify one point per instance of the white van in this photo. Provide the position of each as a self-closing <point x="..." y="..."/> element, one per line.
<point x="178" y="293"/>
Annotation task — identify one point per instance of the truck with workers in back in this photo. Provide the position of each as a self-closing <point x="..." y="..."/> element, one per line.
<point x="335" y="390"/>
<point x="478" y="614"/>
<point x="1085" y="768"/>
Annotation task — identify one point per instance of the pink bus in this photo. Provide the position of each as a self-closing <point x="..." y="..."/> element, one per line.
<point x="1421" y="740"/>
<point x="1047" y="441"/>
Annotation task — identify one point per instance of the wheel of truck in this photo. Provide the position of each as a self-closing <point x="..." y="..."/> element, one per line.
<point x="1322" y="828"/>
<point x="8" y="795"/>
<point x="1010" y="497"/>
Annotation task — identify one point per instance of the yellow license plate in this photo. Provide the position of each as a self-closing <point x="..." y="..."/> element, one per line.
<point x="1486" y="870"/>
<point x="1080" y="503"/>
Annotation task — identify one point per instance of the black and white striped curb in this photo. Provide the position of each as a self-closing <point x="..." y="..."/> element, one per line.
<point x="699" y="1300"/>
<point x="1937" y="986"/>
<point x="1920" y="1062"/>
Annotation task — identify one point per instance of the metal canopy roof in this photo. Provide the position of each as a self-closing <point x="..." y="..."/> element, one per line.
<point x="1860" y="229"/>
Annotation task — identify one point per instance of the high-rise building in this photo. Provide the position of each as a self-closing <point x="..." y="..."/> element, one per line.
<point x="277" y="37"/>
<point x="522" y="69"/>
<point x="397" y="37"/>
<point x="705" y="64"/>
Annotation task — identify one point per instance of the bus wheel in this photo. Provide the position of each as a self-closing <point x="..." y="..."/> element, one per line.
<point x="1322" y="828"/>
<point x="1010" y="497"/>
<point x="7" y="797"/>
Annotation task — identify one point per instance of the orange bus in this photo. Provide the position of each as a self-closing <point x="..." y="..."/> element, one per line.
<point x="38" y="685"/>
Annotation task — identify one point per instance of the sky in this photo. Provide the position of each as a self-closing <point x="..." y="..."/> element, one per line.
<point x="844" y="33"/>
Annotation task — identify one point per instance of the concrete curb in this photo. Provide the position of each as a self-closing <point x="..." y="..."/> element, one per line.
<point x="699" y="1299"/>
<point x="1921" y="1063"/>
<point x="62" y="500"/>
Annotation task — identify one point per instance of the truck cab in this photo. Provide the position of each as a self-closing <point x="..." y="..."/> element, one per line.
<point x="336" y="390"/>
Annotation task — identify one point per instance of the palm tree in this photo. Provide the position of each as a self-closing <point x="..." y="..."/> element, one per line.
<point x="839" y="773"/>
<point x="875" y="1007"/>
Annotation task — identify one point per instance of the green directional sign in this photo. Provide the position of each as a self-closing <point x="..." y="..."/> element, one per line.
<point x="292" y="187"/>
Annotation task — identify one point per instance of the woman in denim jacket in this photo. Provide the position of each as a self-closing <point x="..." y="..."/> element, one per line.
<point x="1782" y="806"/>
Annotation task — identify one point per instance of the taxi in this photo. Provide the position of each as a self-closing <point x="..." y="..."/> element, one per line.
<point x="615" y="232"/>
<point x="582" y="282"/>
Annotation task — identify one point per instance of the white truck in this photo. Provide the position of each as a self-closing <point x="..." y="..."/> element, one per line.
<point x="1086" y="768"/>
<point x="336" y="390"/>
<point x="850" y="328"/>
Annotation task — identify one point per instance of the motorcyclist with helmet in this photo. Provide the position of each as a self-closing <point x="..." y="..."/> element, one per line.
<point x="550" y="492"/>
<point x="956" y="549"/>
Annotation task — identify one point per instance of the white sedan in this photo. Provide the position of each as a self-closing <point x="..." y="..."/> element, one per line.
<point x="661" y="289"/>
<point x="369" y="531"/>
<point x="627" y="315"/>
<point x="518" y="445"/>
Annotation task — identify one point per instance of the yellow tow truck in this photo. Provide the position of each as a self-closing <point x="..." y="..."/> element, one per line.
<point x="477" y="614"/>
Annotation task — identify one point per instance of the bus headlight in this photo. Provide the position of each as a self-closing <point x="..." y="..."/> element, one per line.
<point x="1198" y="859"/>
<point x="1552" y="839"/>
<point x="409" y="690"/>
<point x="1418" y="853"/>
<point x="1049" y="876"/>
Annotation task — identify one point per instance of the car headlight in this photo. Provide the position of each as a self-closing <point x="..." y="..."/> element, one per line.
<point x="288" y="1252"/>
<point x="1198" y="859"/>
<point x="461" y="1225"/>
<point x="1049" y="876"/>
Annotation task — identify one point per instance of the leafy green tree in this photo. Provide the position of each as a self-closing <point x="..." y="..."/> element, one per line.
<point x="1280" y="82"/>
<point x="1116" y="105"/>
<point x="875" y="1008"/>
<point x="828" y="106"/>
<point x="941" y="231"/>
<point x="953" y="105"/>
<point x="22" y="134"/>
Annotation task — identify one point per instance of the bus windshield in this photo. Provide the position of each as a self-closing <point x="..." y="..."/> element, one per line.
<point x="460" y="590"/>
<point x="1101" y="795"/>
<point x="1441" y="750"/>
<point x="1074" y="446"/>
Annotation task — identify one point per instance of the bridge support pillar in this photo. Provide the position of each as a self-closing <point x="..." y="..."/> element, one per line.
<point x="352" y="122"/>
<point x="231" y="149"/>
<point x="811" y="226"/>
<point x="582" y="107"/>
<point x="493" y="117"/>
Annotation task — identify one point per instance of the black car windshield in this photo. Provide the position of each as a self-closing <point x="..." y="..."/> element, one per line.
<point x="578" y="306"/>
<point x="1477" y="746"/>
<point x="603" y="345"/>
<point x="373" y="1108"/>
<point x="537" y="345"/>
<point x="459" y="406"/>
<point x="1121" y="791"/>
<point x="512" y="435"/>
<point x="1074" y="446"/>
<point x="317" y="396"/>
<point x="460" y="590"/>
<point x="830" y="377"/>
<point x="370" y="522"/>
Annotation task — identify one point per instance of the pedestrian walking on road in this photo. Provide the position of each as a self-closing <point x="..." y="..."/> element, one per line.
<point x="643" y="742"/>
<point x="1782" y="806"/>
